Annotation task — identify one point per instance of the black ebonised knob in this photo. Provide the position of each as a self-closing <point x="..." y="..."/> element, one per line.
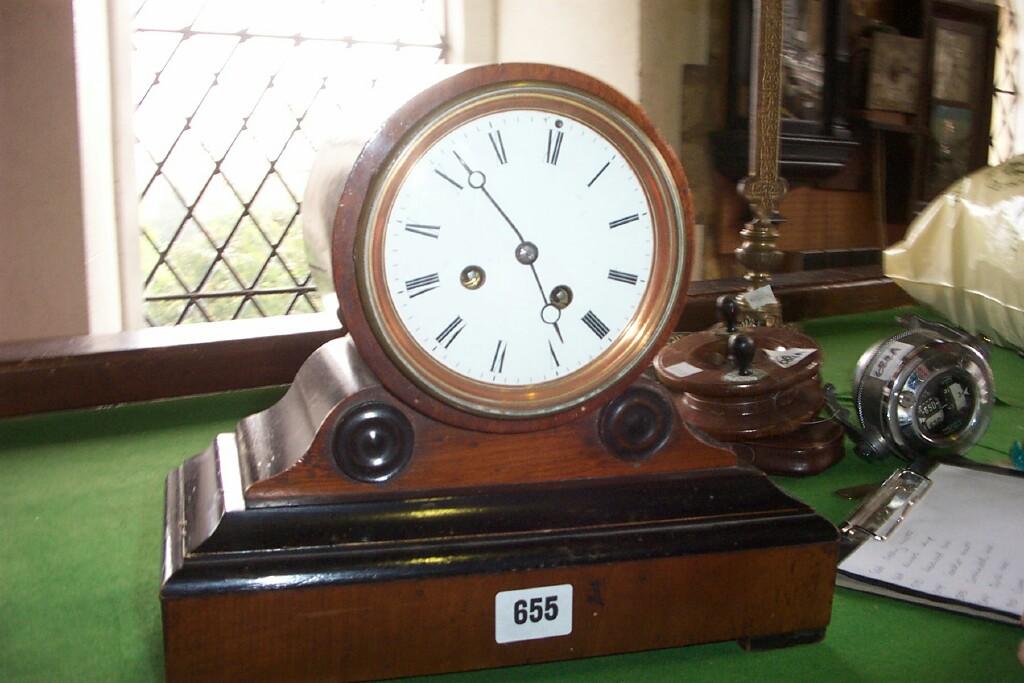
<point x="372" y="442"/>
<point x="741" y="350"/>
<point x="636" y="424"/>
<point x="728" y="311"/>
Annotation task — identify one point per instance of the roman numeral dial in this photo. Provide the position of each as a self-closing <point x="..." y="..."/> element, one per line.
<point x="619" y="222"/>
<point x="422" y="285"/>
<point x="450" y="333"/>
<point x="595" y="324"/>
<point x="518" y="249"/>
<point x="554" y="146"/>
<point x="431" y="231"/>
<point x="619" y="276"/>
<point x="498" y="361"/>
<point x="499" y="146"/>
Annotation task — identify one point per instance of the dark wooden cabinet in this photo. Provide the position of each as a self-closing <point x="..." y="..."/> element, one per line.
<point x="858" y="176"/>
<point x="954" y="118"/>
<point x="815" y="136"/>
<point x="947" y="136"/>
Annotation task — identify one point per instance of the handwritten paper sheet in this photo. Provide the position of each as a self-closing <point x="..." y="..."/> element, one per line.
<point x="963" y="541"/>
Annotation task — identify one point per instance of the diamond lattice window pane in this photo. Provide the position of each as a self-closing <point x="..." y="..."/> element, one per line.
<point x="301" y="76"/>
<point x="295" y="163"/>
<point x="194" y="315"/>
<point x="247" y="252"/>
<point x="191" y="70"/>
<point x="233" y="98"/>
<point x="174" y="15"/>
<point x="165" y="282"/>
<point x="218" y="210"/>
<point x="156" y="128"/>
<point x="302" y="305"/>
<point x="152" y="50"/>
<point x="218" y="121"/>
<point x="1008" y="104"/>
<point x="281" y="18"/>
<point x="292" y="250"/>
<point x="164" y="312"/>
<point x="145" y="169"/>
<point x="252" y="66"/>
<point x="272" y="123"/>
<point x="192" y="255"/>
<point x="273" y="208"/>
<point x="161" y="212"/>
<point x="148" y="254"/>
<point x="188" y="167"/>
<point x="275" y="304"/>
<point x="222" y="16"/>
<point x="245" y="166"/>
<point x="222" y="307"/>
<point x="276" y="275"/>
<point x="224" y="278"/>
<point x="249" y="310"/>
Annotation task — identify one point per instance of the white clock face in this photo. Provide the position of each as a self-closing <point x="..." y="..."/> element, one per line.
<point x="519" y="247"/>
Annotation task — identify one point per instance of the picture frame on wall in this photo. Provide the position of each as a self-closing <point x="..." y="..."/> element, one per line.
<point x="951" y="130"/>
<point x="815" y="139"/>
<point x="804" y="51"/>
<point x="894" y="80"/>
<point x="954" y="62"/>
<point x="957" y="104"/>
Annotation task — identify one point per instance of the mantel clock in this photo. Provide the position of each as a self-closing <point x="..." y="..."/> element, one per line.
<point x="480" y="472"/>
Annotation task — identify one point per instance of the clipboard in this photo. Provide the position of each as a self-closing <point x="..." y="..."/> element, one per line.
<point x="949" y="539"/>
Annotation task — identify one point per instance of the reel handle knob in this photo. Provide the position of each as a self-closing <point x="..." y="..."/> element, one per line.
<point x="741" y="350"/>
<point x="728" y="311"/>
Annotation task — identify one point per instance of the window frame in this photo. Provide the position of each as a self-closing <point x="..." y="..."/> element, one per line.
<point x="81" y="372"/>
<point x="169" y="362"/>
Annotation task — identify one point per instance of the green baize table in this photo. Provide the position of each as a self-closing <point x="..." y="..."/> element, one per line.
<point x="81" y="530"/>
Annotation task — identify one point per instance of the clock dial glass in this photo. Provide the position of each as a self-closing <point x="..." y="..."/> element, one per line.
<point x="519" y="247"/>
<point x="521" y="250"/>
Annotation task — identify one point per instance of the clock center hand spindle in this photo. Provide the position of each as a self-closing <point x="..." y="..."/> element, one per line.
<point x="526" y="252"/>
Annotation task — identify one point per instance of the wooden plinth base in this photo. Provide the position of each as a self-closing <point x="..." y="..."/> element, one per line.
<point x="398" y="587"/>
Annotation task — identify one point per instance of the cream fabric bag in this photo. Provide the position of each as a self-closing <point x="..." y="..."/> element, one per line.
<point x="964" y="254"/>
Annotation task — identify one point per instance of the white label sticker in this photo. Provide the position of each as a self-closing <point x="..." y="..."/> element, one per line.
<point x="760" y="297"/>
<point x="887" y="361"/>
<point x="681" y="370"/>
<point x="533" y="613"/>
<point x="787" y="358"/>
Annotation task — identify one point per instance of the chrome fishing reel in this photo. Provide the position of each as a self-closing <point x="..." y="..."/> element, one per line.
<point x="927" y="391"/>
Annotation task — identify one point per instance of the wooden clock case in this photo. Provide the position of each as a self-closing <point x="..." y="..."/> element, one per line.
<point x="361" y="529"/>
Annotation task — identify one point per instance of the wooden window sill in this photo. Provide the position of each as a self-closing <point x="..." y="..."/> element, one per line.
<point x="156" y="363"/>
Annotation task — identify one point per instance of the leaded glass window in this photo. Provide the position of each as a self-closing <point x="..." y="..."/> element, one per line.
<point x="232" y="99"/>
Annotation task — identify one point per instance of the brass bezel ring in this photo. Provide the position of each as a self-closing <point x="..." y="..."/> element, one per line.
<point x="668" y="270"/>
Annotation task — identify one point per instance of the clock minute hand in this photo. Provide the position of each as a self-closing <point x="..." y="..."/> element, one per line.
<point x="503" y="214"/>
<point x="478" y="181"/>
<point x="526" y="252"/>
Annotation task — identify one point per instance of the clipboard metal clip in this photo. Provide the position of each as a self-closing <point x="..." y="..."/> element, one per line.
<point x="879" y="515"/>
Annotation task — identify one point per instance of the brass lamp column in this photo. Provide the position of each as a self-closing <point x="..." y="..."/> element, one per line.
<point x="763" y="188"/>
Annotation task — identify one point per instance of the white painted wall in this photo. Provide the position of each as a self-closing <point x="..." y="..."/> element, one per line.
<point x="673" y="33"/>
<point x="60" y="267"/>
<point x="599" y="37"/>
<point x="42" y="249"/>
<point x="638" y="46"/>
